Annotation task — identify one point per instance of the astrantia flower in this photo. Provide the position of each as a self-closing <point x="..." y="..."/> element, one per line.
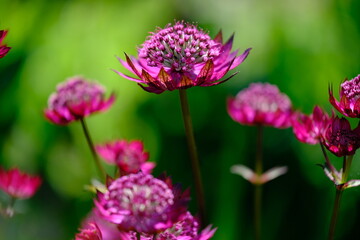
<point x="4" y="49"/>
<point x="181" y="56"/>
<point x="90" y="232"/>
<point x="340" y="139"/>
<point x="141" y="203"/>
<point x="18" y="184"/>
<point x="309" y="129"/>
<point x="75" y="99"/>
<point x="261" y="104"/>
<point x="349" y="104"/>
<point x="128" y="156"/>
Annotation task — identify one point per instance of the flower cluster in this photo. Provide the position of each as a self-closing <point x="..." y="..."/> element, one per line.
<point x="4" y="49"/>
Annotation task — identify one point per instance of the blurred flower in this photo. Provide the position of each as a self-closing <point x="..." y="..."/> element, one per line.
<point x="75" y="99"/>
<point x="309" y="129"/>
<point x="181" y="56"/>
<point x="128" y="156"/>
<point x="4" y="49"/>
<point x="18" y="184"/>
<point x="349" y="104"/>
<point x="340" y="139"/>
<point x="141" y="203"/>
<point x="90" y="232"/>
<point x="261" y="104"/>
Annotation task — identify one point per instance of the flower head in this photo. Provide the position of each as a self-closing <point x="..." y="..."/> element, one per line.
<point x="18" y="184"/>
<point x="75" y="99"/>
<point x="141" y="203"/>
<point x="90" y="232"/>
<point x="261" y="104"/>
<point x="349" y="104"/>
<point x="181" y="56"/>
<point x="128" y="156"/>
<point x="340" y="139"/>
<point x="310" y="129"/>
<point x="4" y="49"/>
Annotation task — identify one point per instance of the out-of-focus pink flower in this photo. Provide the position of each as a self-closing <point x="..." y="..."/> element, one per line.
<point x="75" y="99"/>
<point x="4" y="49"/>
<point x="128" y="156"/>
<point x="310" y="129"/>
<point x="181" y="56"/>
<point x="349" y="104"/>
<point x="18" y="184"/>
<point x="261" y="104"/>
<point x="340" y="139"/>
<point x="90" y="232"/>
<point x="141" y="203"/>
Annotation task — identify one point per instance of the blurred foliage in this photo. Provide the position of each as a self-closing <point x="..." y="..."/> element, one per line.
<point x="300" y="46"/>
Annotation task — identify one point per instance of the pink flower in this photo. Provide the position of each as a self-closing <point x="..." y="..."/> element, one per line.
<point x="181" y="56"/>
<point x="141" y="203"/>
<point x="90" y="232"/>
<point x="310" y="129"/>
<point x="128" y="156"/>
<point x="349" y="104"/>
<point x="261" y="104"/>
<point x="340" y="139"/>
<point x="18" y="184"/>
<point x="75" y="99"/>
<point x="4" y="49"/>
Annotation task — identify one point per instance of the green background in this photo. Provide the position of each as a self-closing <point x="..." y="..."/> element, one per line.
<point x="301" y="46"/>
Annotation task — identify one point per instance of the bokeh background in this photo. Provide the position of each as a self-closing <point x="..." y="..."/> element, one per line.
<point x="302" y="46"/>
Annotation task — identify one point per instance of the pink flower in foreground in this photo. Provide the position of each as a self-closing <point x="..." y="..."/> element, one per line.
<point x="349" y="104"/>
<point x="90" y="232"/>
<point x="4" y="49"/>
<point x="261" y="104"/>
<point x="340" y="139"/>
<point x="310" y="129"/>
<point x="141" y="203"/>
<point x="181" y="56"/>
<point x="128" y="156"/>
<point x="75" y="99"/>
<point x="18" y="184"/>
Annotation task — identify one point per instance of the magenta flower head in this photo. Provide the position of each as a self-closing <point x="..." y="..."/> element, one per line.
<point x="128" y="156"/>
<point x="90" y="232"/>
<point x="141" y="203"/>
<point x="261" y="104"/>
<point x="75" y="99"/>
<point x="18" y="184"/>
<point x="181" y="56"/>
<point x="349" y="104"/>
<point x="4" y="49"/>
<point x="340" y="139"/>
<point x="310" y="129"/>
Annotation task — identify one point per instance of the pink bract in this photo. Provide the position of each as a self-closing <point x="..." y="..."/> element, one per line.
<point x="349" y="104"/>
<point x="4" y="49"/>
<point x="90" y="232"/>
<point x="75" y="99"/>
<point x="310" y="129"/>
<point x="18" y="184"/>
<point x="181" y="56"/>
<point x="141" y="203"/>
<point x="128" y="156"/>
<point x="261" y="104"/>
<point x="340" y="139"/>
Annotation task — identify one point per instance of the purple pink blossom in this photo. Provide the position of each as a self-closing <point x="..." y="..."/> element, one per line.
<point x="181" y="56"/>
<point x="90" y="232"/>
<point x="4" y="49"/>
<point x="75" y="99"/>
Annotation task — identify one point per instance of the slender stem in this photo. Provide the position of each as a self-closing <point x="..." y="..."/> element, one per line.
<point x="328" y="163"/>
<point x="138" y="236"/>
<point x="193" y="156"/>
<point x="346" y="168"/>
<point x="100" y="168"/>
<point x="258" y="187"/>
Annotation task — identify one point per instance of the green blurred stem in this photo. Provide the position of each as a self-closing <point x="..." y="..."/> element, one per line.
<point x="193" y="156"/>
<point x="100" y="168"/>
<point x="339" y="191"/>
<point x="258" y="187"/>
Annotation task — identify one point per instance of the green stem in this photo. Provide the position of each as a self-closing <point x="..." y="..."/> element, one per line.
<point x="193" y="156"/>
<point x="258" y="187"/>
<point x="100" y="168"/>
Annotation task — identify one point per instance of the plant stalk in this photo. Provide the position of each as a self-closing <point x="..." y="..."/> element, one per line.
<point x="258" y="187"/>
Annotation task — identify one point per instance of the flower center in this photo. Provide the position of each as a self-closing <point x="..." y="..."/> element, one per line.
<point x="179" y="47"/>
<point x="351" y="89"/>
